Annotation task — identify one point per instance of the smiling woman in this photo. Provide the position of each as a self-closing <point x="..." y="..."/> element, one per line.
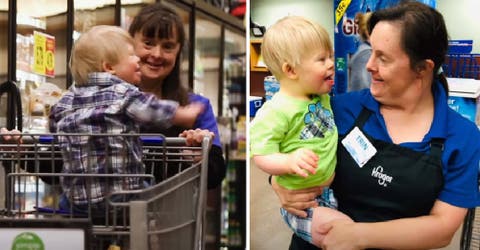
<point x="387" y="195"/>
<point x="159" y="37"/>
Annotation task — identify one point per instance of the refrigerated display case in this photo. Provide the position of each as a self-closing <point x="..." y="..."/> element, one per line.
<point x="207" y="56"/>
<point x="233" y="202"/>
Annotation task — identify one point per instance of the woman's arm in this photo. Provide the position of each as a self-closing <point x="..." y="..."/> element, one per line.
<point x="425" y="232"/>
<point x="295" y="201"/>
<point x="216" y="162"/>
<point x="207" y="123"/>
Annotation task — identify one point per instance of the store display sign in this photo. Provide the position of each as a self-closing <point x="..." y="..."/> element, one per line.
<point x="44" y="234"/>
<point x="44" y="54"/>
<point x="346" y="39"/>
<point x="43" y="238"/>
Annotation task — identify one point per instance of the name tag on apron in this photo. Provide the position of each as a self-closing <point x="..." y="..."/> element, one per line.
<point x="359" y="147"/>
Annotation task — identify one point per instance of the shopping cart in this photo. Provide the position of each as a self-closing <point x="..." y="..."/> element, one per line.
<point x="470" y="238"/>
<point x="168" y="213"/>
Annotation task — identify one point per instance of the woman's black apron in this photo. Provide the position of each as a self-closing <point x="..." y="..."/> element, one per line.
<point x="396" y="182"/>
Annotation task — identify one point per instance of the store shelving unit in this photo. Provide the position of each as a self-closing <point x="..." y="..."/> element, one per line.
<point x="258" y="71"/>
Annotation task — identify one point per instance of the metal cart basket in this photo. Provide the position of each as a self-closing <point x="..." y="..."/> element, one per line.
<point x="470" y="238"/>
<point x="167" y="212"/>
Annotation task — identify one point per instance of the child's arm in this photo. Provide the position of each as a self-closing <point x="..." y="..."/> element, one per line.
<point x="187" y="115"/>
<point x="147" y="108"/>
<point x="301" y="162"/>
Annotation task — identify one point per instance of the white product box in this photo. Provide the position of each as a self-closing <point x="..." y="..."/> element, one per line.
<point x="464" y="97"/>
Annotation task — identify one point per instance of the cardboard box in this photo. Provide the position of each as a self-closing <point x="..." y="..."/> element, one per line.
<point x="464" y="97"/>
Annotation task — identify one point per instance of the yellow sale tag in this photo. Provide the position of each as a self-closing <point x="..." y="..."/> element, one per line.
<point x="43" y="54"/>
<point x="340" y="11"/>
<point x="39" y="47"/>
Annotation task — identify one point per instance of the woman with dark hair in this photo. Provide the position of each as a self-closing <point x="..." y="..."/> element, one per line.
<point x="407" y="167"/>
<point x="159" y="38"/>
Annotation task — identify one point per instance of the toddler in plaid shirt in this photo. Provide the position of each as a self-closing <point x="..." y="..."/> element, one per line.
<point x="104" y="100"/>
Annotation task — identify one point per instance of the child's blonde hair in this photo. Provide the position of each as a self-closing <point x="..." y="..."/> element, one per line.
<point x="102" y="43"/>
<point x="289" y="40"/>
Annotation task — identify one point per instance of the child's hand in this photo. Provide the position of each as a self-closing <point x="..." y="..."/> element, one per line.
<point x="187" y="115"/>
<point x="303" y="161"/>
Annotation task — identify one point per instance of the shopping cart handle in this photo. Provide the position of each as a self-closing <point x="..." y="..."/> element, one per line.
<point x="49" y="210"/>
<point x="151" y="139"/>
<point x="45" y="139"/>
<point x="145" y="139"/>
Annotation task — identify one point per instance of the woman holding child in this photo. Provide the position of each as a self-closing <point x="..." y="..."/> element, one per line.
<point x="420" y="171"/>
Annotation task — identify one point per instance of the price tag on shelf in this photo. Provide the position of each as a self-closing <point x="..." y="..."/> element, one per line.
<point x="44" y="54"/>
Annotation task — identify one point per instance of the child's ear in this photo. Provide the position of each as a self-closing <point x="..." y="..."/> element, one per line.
<point x="289" y="71"/>
<point x="107" y="67"/>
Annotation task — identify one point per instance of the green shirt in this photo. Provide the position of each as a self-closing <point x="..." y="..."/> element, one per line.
<point x="284" y="124"/>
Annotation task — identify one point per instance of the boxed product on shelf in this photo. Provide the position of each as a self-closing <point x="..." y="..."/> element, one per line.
<point x="464" y="95"/>
<point x="255" y="104"/>
<point x="271" y="86"/>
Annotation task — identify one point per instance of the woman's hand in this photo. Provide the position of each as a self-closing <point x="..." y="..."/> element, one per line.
<point x="295" y="201"/>
<point x="339" y="234"/>
<point x="194" y="137"/>
<point x="11" y="136"/>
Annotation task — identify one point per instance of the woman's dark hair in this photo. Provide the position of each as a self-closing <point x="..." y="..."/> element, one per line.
<point x="423" y="35"/>
<point x="158" y="21"/>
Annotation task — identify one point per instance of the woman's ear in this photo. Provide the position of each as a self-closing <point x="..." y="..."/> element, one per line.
<point x="108" y="68"/>
<point x="289" y="71"/>
<point x="425" y="67"/>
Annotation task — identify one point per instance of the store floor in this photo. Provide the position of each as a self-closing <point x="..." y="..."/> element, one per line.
<point x="267" y="230"/>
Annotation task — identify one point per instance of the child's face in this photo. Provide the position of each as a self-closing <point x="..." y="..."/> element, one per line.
<point x="315" y="72"/>
<point x="127" y="68"/>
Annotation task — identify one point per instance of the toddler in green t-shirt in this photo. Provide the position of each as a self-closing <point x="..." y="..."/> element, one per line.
<point x="293" y="135"/>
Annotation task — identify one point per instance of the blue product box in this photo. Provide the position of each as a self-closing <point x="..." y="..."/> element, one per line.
<point x="255" y="103"/>
<point x="460" y="46"/>
<point x="464" y="96"/>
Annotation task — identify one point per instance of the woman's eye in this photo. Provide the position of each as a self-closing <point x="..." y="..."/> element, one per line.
<point x="148" y="43"/>
<point x="169" y="46"/>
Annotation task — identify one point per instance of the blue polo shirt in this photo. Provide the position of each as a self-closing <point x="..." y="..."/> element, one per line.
<point x="461" y="154"/>
<point x="206" y="120"/>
